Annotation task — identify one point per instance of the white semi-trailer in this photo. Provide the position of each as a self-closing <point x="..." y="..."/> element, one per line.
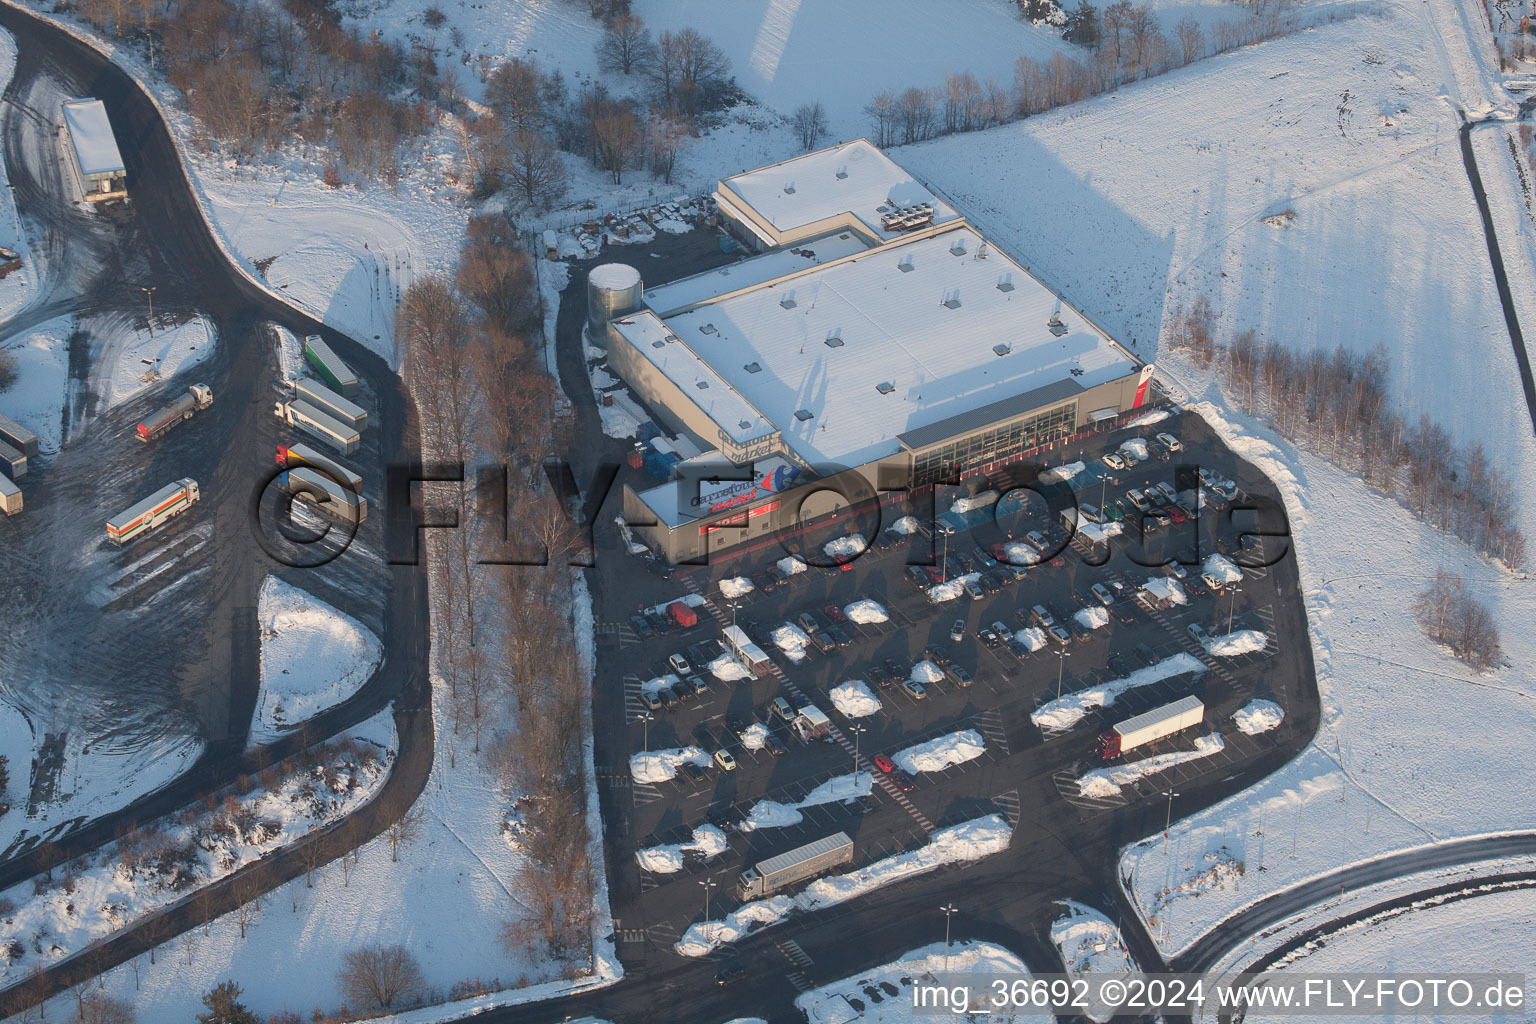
<point x="299" y="454"/>
<point x="1182" y="714"/>
<point x="18" y="437"/>
<point x="315" y="423"/>
<point x="164" y="505"/>
<point x="10" y="497"/>
<point x="197" y="397"/>
<point x="328" y="496"/>
<point x="338" y="408"/>
<point x="768" y="876"/>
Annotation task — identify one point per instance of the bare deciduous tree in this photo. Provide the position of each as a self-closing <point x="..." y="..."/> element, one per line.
<point x="516" y="92"/>
<point x="405" y="830"/>
<point x="534" y="170"/>
<point x="626" y="47"/>
<point x="100" y="1008"/>
<point x="668" y="135"/>
<point x="688" y="66"/>
<point x="810" y="121"/>
<point x="881" y="111"/>
<point x="618" y="138"/>
<point x="380" y="977"/>
<point x="1191" y="40"/>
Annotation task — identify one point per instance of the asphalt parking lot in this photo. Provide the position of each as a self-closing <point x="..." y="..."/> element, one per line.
<point x="1024" y="773"/>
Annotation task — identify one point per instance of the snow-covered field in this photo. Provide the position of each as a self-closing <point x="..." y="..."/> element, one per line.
<point x="970" y="840"/>
<point x="1067" y="710"/>
<point x="313" y="657"/>
<point x="36" y="400"/>
<point x="853" y="699"/>
<point x="941" y="752"/>
<point x="895" y="981"/>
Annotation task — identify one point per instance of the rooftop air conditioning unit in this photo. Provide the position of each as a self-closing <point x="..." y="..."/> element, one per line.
<point x="1002" y="349"/>
<point x="952" y="299"/>
<point x="885" y="387"/>
<point x="788" y="301"/>
<point x="789" y="188"/>
<point x="904" y="264"/>
<point x="1005" y="283"/>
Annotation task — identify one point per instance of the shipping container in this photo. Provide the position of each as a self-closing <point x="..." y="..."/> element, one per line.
<point x="307" y="389"/>
<point x="165" y="504"/>
<point x="18" y="437"/>
<point x="329" y="368"/>
<point x="768" y="876"/>
<point x="315" y="423"/>
<point x="328" y="497"/>
<point x="10" y="497"/>
<point x="300" y="454"/>
<point x="12" y="463"/>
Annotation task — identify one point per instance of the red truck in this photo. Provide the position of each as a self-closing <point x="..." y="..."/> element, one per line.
<point x="682" y="614"/>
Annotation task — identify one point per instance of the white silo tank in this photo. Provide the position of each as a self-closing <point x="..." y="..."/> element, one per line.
<point x="613" y="289"/>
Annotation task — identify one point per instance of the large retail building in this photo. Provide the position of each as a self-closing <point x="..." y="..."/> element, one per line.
<point x="876" y="341"/>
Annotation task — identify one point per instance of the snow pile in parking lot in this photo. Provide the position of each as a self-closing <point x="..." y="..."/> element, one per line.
<point x="755" y="736"/>
<point x="951" y="589"/>
<point x="847" y="547"/>
<point x="1064" y="713"/>
<point x="1016" y="552"/>
<point x="1135" y="448"/>
<point x="1092" y="617"/>
<point x="1258" y="716"/>
<point x="1063" y="473"/>
<point x="790" y="565"/>
<point x="865" y="611"/>
<point x="728" y="670"/>
<point x="1032" y="637"/>
<point x="770" y="814"/>
<point x="708" y="841"/>
<point x="927" y="672"/>
<point x="1244" y="641"/>
<point x="1147" y="419"/>
<point x="1106" y="782"/>
<point x="968" y="841"/>
<point x="1218" y="568"/>
<point x="941" y="753"/>
<point x="773" y="814"/>
<point x="655" y="686"/>
<point x="972" y="502"/>
<point x="1165" y="588"/>
<point x="905" y="525"/>
<point x="791" y="639"/>
<point x="853" y="699"/>
<point x="736" y="586"/>
<point x="661" y="765"/>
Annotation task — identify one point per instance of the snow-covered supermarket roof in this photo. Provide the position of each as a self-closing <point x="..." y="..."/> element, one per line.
<point x="91" y="134"/>
<point x="854" y="177"/>
<point x="730" y="411"/>
<point x="748" y="273"/>
<point x="848" y="358"/>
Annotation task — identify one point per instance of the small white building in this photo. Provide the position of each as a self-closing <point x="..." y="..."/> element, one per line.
<point x="97" y="164"/>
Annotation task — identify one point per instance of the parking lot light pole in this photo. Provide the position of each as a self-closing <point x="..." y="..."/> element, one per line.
<point x="646" y="718"/>
<point x="950" y="910"/>
<point x="1231" y="610"/>
<point x="857" y="730"/>
<point x="708" y="884"/>
<point x="1168" y="821"/>
<point x="150" y="292"/>
<point x="1061" y="671"/>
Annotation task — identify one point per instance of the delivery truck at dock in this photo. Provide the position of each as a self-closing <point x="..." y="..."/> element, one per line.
<point x="329" y="368"/>
<point x="164" y="505"/>
<point x="315" y="423"/>
<point x="769" y="876"/>
<point x="196" y="398"/>
<point x="307" y="389"/>
<point x="1184" y="713"/>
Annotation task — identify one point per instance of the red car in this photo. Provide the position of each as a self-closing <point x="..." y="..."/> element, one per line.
<point x="1176" y="514"/>
<point x="884" y="763"/>
<point x="835" y="613"/>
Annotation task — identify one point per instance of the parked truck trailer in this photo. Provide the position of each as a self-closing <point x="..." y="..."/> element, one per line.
<point x="164" y="505"/>
<point x="768" y="876"/>
<point x="336" y="374"/>
<point x="315" y="423"/>
<point x="18" y="437"/>
<point x="12" y="462"/>
<point x="1152" y="725"/>
<point x="329" y="497"/>
<point x="307" y="389"/>
<point x="197" y="397"/>
<point x="10" y="497"/>
<point x="299" y="454"/>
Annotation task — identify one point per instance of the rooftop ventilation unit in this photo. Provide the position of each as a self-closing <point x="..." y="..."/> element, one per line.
<point x="701" y="384"/>
<point x="842" y="172"/>
<point x="981" y="251"/>
<point x="1057" y="327"/>
<point x="804" y="414"/>
<point x="753" y="367"/>
<point x="1005" y="283"/>
<point x="789" y="188"/>
<point x="1002" y="349"/>
<point x="788" y="301"/>
<point x="658" y="343"/>
<point x="707" y="329"/>
<point x="952" y="298"/>
<point x="905" y="263"/>
<point x="958" y="248"/>
<point x="835" y="338"/>
<point x="885" y="387"/>
<point x="744" y="424"/>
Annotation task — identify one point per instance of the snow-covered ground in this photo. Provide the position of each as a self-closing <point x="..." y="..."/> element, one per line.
<point x="1067" y="710"/>
<point x="905" y="526"/>
<point x="1258" y="716"/>
<point x="791" y="564"/>
<point x="968" y="841"/>
<point x="755" y="736"/>
<point x="865" y="612"/>
<point x="708" y="841"/>
<point x="941" y="752"/>
<point x="951" y="589"/>
<point x="661" y="765"/>
<point x="735" y="587"/>
<point x="848" y="547"/>
<point x="772" y="814"/>
<point x="1106" y="782"/>
<point x="849" y="999"/>
<point x="1094" y="616"/>
<point x="57" y="917"/>
<point x="853" y="699"/>
<point x="1063" y="473"/>
<point x="926" y="672"/>
<point x="1220" y="568"/>
<point x="128" y="354"/>
<point x="728" y="669"/>
<point x="790" y="639"/>
<point x="36" y="400"/>
<point x="313" y="657"/>
<point x="972" y="502"/>
<point x="1091" y="944"/>
<point x="1032" y="637"/>
<point x="1242" y="641"/>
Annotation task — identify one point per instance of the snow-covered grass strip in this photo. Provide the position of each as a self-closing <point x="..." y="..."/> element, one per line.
<point x="1106" y="782"/>
<point x="1065" y="712"/>
<point x="866" y="612"/>
<point x="1062" y="473"/>
<point x="708" y="841"/>
<point x="1147" y="419"/>
<point x="1244" y="641"/>
<point x="972" y="502"/>
<point x="853" y="699"/>
<point x="1258" y="716"/>
<point x="968" y="841"/>
<point x="661" y="765"/>
<point x="940" y="753"/>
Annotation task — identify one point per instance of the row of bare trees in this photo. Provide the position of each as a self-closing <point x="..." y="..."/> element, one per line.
<point x="1451" y="616"/>
<point x="1338" y="404"/>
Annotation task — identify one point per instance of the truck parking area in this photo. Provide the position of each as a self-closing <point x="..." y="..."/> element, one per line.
<point x="1028" y="772"/>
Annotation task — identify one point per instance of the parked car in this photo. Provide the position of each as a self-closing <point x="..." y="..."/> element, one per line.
<point x="975" y="591"/>
<point x="959" y="674"/>
<point x="895" y="668"/>
<point x="782" y="709"/>
<point x="694" y="771"/>
<point x="1081" y="633"/>
<point x="834" y="613"/>
<point x="700" y="685"/>
<point x="1176" y="513"/>
<point x="915" y="688"/>
<point x="1198" y="632"/>
<point x="985" y="560"/>
<point x="1041" y="617"/>
<point x="903" y="781"/>
<point x="736" y="725"/>
<point x="1113" y="461"/>
<point x="720" y="817"/>
<point x="1173" y="443"/>
<point x="823" y="641"/>
<point x="1118" y="666"/>
<point x="987" y="584"/>
<point x="808" y="622"/>
<point x="876" y="674"/>
<point x="884" y="763"/>
<point x="684" y="689"/>
<point x="678" y="664"/>
<point x="1101" y="592"/>
<point x="1146" y="654"/>
<point x="660" y="621"/>
<point x="1017" y="648"/>
<point x="724" y="759"/>
<point x="918" y="577"/>
<point x="957" y="630"/>
<point x="668" y="697"/>
<point x="988" y="636"/>
<point x="839" y="636"/>
<point x="642" y="628"/>
<point x="1035" y="539"/>
<point x="652" y="701"/>
<point x="774" y="745"/>
<point x="696" y="656"/>
<point x="763" y="580"/>
<point x="1058" y="634"/>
